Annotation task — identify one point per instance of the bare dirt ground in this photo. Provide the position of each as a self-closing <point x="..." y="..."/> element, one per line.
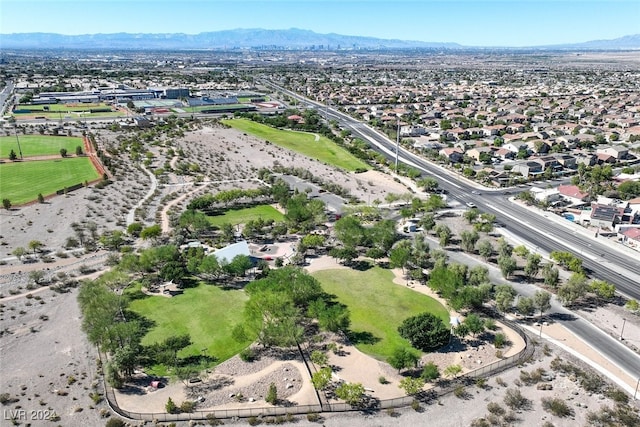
<point x="47" y="363"/>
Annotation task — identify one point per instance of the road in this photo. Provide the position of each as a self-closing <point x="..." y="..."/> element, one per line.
<point x="616" y="266"/>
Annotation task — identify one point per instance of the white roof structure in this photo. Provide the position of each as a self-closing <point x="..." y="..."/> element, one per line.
<point x="229" y="252"/>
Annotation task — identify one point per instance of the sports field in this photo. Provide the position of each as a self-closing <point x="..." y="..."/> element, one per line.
<point x="207" y="313"/>
<point x="21" y="182"/>
<point x="377" y="307"/>
<point x="59" y="111"/>
<point x="242" y="216"/>
<point x="38" y="145"/>
<point x="302" y="142"/>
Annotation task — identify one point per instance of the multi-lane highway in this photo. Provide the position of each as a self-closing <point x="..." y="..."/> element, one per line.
<point x="599" y="257"/>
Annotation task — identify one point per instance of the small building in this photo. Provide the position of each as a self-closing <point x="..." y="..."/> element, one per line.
<point x="228" y="253"/>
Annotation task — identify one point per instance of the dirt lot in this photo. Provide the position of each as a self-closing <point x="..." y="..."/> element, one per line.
<point x="48" y="364"/>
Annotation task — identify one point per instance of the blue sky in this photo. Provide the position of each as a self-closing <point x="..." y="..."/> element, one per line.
<point x="468" y="22"/>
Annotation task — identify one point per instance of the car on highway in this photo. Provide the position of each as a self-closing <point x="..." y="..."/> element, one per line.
<point x="476" y="192"/>
<point x="471" y="204"/>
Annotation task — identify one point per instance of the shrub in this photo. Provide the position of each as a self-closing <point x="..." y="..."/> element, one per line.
<point x="557" y="407"/>
<point x="319" y="358"/>
<point x="382" y="380"/>
<point x="617" y="395"/>
<point x="415" y="405"/>
<point x="247" y="355"/>
<point x="430" y="372"/>
<point x="253" y="421"/>
<point x="171" y="407"/>
<point x="499" y="340"/>
<point x="213" y="421"/>
<point x="313" y="417"/>
<point x="272" y="394"/>
<point x="515" y="400"/>
<point x="460" y="392"/>
<point x="495" y="409"/>
<point x="115" y="422"/>
<point x="187" y="406"/>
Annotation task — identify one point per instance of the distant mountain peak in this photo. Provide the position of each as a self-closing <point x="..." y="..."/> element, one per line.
<point x="257" y="38"/>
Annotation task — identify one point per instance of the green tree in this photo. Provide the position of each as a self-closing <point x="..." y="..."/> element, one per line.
<point x="444" y="234"/>
<point x="474" y="323"/>
<point x="542" y="301"/>
<point x="526" y="306"/>
<point x="134" y="229"/>
<point x="551" y="275"/>
<point x="468" y="240"/>
<point x="63" y="152"/>
<point x="319" y="358"/>
<point x="425" y="331"/>
<point x="12" y="155"/>
<point x="40" y="198"/>
<point x="602" y="289"/>
<point x="35" y="245"/>
<point x="171" y="407"/>
<point x="507" y="265"/>
<point x="19" y="252"/>
<point x="400" y="255"/>
<point x="6" y="204"/>
<point x="504" y="296"/>
<point x="403" y="358"/>
<point x="485" y="249"/>
<point x="79" y="150"/>
<point x="574" y="289"/>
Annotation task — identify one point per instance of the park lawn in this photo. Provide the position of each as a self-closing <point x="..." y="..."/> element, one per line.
<point x="207" y="313"/>
<point x="304" y="143"/>
<point x="377" y="306"/>
<point x="21" y="182"/>
<point x="242" y="216"/>
<point x="38" y="145"/>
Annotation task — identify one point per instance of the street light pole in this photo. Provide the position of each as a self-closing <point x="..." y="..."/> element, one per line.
<point x="397" y="143"/>
<point x="18" y="141"/>
<point x="636" y="392"/>
<point x="622" y="331"/>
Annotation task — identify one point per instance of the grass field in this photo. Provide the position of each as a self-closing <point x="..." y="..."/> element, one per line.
<point x="302" y="142"/>
<point x="377" y="306"/>
<point x="241" y="216"/>
<point x="207" y="313"/>
<point x="59" y="111"/>
<point x="55" y="108"/>
<point x="38" y="145"/>
<point x="21" y="182"/>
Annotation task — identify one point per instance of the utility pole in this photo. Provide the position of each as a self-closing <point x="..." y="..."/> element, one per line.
<point x="622" y="331"/>
<point x="397" y="143"/>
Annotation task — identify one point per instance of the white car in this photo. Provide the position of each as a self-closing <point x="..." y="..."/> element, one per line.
<point x="471" y="204"/>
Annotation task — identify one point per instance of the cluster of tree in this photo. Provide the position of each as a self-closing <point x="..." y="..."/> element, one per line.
<point x="227" y="197"/>
<point x="117" y="331"/>
<point x="463" y="288"/>
<point x="593" y="179"/>
<point x="375" y="240"/>
<point x="425" y="332"/>
<point x="281" y="303"/>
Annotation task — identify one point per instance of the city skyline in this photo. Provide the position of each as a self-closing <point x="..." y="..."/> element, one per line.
<point x="507" y="23"/>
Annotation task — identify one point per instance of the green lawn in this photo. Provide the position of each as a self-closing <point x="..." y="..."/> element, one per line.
<point x="54" y="108"/>
<point x="21" y="182"/>
<point x="377" y="306"/>
<point x="241" y="216"/>
<point x="38" y="145"/>
<point x="207" y="313"/>
<point x="302" y="142"/>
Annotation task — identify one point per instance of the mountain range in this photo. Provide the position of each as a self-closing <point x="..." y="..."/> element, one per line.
<point x="257" y="39"/>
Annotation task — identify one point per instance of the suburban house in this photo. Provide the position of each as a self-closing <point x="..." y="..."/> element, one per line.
<point x="547" y="162"/>
<point x="476" y="152"/>
<point x="634" y="205"/>
<point x="605" y="216"/>
<point x="572" y="194"/>
<point x="618" y="152"/>
<point x="567" y="161"/>
<point x="452" y="154"/>
<point x="527" y="168"/>
<point x="547" y="195"/>
<point x="630" y="236"/>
